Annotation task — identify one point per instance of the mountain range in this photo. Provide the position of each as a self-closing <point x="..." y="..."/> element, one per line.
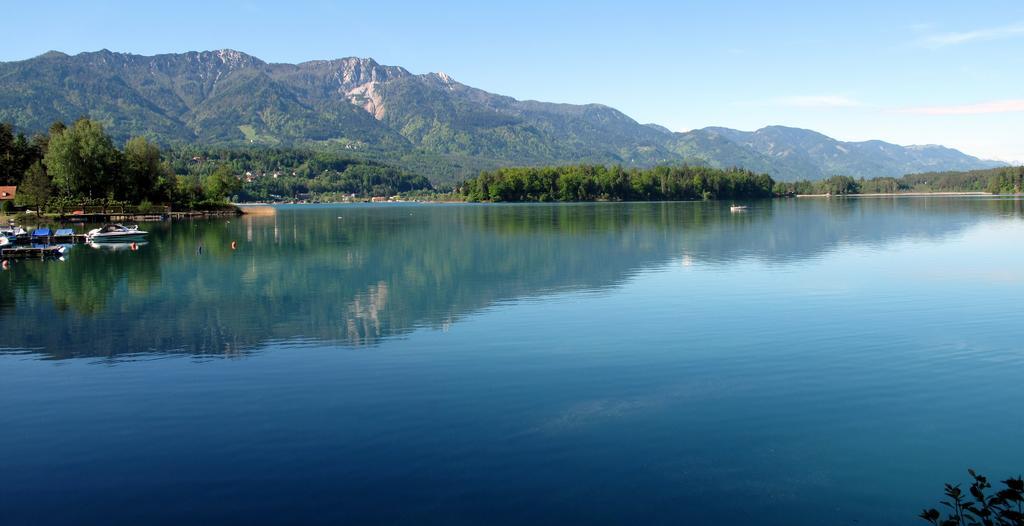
<point x="427" y="123"/>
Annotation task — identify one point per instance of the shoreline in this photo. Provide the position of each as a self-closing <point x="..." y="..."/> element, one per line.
<point x="902" y="194"/>
<point x="247" y="208"/>
<point x="257" y="205"/>
<point x="119" y="217"/>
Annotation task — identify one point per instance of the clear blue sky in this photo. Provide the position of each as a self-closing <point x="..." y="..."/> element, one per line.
<point x="910" y="72"/>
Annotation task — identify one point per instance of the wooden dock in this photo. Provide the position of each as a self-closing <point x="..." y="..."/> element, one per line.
<point x="31" y="252"/>
<point x="114" y="217"/>
<point x="73" y="239"/>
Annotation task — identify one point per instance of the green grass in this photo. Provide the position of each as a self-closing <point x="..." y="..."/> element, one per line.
<point x="255" y="138"/>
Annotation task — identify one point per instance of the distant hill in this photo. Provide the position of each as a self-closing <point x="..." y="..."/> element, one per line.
<point x="428" y="123"/>
<point x="794" y="153"/>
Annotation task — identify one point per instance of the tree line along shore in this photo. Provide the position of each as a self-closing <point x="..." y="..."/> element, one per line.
<point x="78" y="166"/>
<point x="597" y="182"/>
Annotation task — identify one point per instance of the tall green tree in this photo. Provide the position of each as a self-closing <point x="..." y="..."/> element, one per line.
<point x="16" y="155"/>
<point x="83" y="161"/>
<point x="221" y="183"/>
<point x="35" y="188"/>
<point x="7" y="168"/>
<point x="142" y="169"/>
<point x="57" y="128"/>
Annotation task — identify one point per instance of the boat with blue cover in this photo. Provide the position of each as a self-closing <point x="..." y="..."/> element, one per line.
<point x="41" y="234"/>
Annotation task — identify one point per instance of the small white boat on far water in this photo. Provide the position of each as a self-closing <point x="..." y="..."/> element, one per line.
<point x="738" y="208"/>
<point x="115" y="233"/>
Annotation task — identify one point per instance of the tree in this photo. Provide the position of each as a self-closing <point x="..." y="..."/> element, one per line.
<point x="7" y="172"/>
<point x="186" y="191"/>
<point x="221" y="184"/>
<point x="16" y="155"/>
<point x="978" y="507"/>
<point x="142" y="170"/>
<point x="84" y="161"/>
<point x="35" y="188"/>
<point x="840" y="185"/>
<point x="57" y="128"/>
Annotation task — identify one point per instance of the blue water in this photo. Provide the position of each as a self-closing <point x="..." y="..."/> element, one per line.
<point x="804" y="363"/>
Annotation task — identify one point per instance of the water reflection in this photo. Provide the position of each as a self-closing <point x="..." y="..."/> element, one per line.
<point x="357" y="274"/>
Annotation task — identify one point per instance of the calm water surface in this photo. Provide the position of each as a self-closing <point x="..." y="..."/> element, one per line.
<point x="805" y="363"/>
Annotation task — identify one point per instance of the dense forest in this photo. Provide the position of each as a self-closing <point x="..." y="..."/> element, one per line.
<point x="1007" y="180"/>
<point x="595" y="182"/>
<point x="79" y="165"/>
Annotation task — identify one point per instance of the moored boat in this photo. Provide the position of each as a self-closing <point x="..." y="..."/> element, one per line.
<point x="115" y="233"/>
<point x="41" y="235"/>
<point x="738" y="208"/>
<point x="12" y="232"/>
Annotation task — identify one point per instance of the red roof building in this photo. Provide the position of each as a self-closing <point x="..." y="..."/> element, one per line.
<point x="7" y="193"/>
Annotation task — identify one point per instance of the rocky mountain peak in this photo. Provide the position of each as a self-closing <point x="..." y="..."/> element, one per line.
<point x="359" y="71"/>
<point x="222" y="58"/>
<point x="358" y="78"/>
<point x="351" y="72"/>
<point x="233" y="58"/>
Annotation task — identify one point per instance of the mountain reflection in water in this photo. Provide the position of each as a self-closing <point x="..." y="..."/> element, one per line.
<point x="354" y="274"/>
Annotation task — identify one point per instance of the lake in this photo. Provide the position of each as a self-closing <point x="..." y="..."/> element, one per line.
<point x="806" y="362"/>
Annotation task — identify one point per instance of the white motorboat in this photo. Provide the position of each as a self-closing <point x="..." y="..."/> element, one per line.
<point x="738" y="208"/>
<point x="12" y="232"/>
<point x="115" y="233"/>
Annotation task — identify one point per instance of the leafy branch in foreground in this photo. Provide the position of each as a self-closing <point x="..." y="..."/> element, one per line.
<point x="978" y="508"/>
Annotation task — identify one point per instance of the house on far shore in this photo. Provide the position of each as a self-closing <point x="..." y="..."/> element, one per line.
<point x="7" y="193"/>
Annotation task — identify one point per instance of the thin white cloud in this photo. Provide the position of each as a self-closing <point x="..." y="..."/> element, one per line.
<point x="818" y="101"/>
<point x="962" y="37"/>
<point x="996" y="106"/>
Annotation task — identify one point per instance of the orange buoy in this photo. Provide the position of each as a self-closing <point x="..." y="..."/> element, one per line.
<point x="234" y="245"/>
<point x="135" y="246"/>
<point x="6" y="265"/>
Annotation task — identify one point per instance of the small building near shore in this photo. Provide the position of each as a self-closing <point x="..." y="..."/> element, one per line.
<point x="7" y="193"/>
